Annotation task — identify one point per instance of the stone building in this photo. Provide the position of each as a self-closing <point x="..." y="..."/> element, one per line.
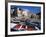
<point x="25" y="14"/>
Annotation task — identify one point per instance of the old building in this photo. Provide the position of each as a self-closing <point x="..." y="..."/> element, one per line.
<point x="25" y="13"/>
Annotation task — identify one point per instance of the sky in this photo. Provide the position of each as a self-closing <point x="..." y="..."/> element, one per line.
<point x="33" y="9"/>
